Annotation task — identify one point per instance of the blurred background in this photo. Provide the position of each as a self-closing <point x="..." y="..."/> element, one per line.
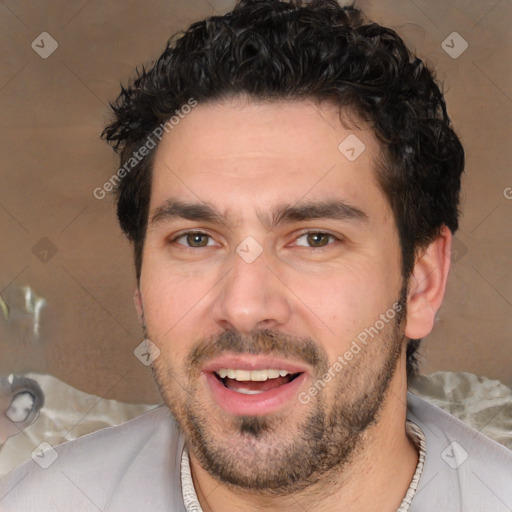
<point x="66" y="276"/>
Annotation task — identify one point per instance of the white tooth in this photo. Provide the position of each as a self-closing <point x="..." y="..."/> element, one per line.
<point x="259" y="375"/>
<point x="242" y="375"/>
<point x="254" y="375"/>
<point x="248" y="391"/>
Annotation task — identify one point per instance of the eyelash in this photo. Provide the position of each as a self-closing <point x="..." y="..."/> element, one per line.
<point x="332" y="237"/>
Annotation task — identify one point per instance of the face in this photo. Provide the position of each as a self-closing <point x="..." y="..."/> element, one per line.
<point x="270" y="282"/>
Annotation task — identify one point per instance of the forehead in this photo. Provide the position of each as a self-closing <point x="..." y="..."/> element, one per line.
<point x="247" y="155"/>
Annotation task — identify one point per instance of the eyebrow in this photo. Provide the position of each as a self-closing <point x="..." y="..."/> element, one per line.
<point x="331" y="209"/>
<point x="174" y="209"/>
<point x="303" y="211"/>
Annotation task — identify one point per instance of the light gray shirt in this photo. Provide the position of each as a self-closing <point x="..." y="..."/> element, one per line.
<point x="137" y="466"/>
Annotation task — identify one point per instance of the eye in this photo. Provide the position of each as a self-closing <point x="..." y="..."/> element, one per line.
<point x="315" y="239"/>
<point x="194" y="239"/>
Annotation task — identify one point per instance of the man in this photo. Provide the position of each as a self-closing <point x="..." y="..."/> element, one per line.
<point x="289" y="179"/>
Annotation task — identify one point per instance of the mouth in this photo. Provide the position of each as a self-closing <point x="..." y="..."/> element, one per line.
<point x="254" y="382"/>
<point x="254" y="387"/>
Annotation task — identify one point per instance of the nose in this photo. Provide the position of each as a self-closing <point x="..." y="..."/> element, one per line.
<point x="251" y="297"/>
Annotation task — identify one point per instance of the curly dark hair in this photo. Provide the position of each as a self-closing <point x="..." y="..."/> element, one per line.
<point x="275" y="50"/>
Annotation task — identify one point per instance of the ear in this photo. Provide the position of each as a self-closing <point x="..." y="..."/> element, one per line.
<point x="137" y="300"/>
<point x="427" y="285"/>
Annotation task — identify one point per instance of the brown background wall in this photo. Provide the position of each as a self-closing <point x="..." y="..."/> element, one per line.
<point x="52" y="111"/>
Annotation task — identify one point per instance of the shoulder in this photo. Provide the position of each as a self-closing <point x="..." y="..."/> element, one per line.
<point x="127" y="467"/>
<point x="464" y="471"/>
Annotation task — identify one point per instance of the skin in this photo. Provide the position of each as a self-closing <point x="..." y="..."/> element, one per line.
<point x="246" y="159"/>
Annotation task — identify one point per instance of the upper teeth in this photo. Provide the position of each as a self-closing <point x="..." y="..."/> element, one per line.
<point x="255" y="375"/>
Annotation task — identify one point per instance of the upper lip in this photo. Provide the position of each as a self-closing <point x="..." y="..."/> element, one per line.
<point x="252" y="362"/>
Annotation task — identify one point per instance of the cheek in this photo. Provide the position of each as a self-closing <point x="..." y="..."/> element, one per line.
<point x="346" y="294"/>
<point x="342" y="304"/>
<point x="163" y="308"/>
<point x="169" y="296"/>
<point x="175" y="311"/>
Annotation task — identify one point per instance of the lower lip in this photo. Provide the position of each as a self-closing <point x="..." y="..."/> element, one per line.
<point x="240" y="404"/>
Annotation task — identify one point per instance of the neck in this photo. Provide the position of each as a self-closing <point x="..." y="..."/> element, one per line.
<point x="380" y="472"/>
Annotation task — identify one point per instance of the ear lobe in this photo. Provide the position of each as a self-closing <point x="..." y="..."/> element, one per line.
<point x="137" y="300"/>
<point x="427" y="285"/>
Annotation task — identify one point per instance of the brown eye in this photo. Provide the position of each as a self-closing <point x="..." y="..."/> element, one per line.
<point x="197" y="240"/>
<point x="318" y="239"/>
<point x="194" y="240"/>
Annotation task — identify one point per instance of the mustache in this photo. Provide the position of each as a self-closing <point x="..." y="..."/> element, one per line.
<point x="260" y="342"/>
